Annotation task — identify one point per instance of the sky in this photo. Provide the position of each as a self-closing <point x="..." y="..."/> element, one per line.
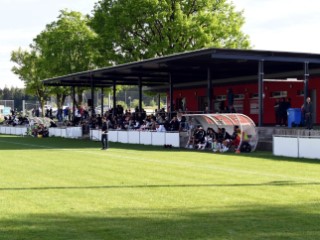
<point x="280" y="25"/>
<point x="21" y="21"/>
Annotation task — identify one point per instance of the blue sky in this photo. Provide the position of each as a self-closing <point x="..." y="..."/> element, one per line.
<point x="283" y="25"/>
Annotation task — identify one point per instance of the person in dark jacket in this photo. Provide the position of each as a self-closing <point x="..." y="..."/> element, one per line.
<point x="307" y="111"/>
<point x="104" y="134"/>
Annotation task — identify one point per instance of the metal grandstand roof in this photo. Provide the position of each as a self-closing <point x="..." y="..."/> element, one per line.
<point x="190" y="69"/>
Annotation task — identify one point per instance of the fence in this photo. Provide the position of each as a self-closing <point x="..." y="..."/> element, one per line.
<point x="6" y="107"/>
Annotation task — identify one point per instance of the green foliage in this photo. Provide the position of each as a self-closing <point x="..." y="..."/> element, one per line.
<point x="123" y="104"/>
<point x="55" y="188"/>
<point x="30" y="67"/>
<point x="15" y="94"/>
<point x="66" y="44"/>
<point x="135" y="103"/>
<point x="131" y="30"/>
<point x="64" y="47"/>
<point x="153" y="103"/>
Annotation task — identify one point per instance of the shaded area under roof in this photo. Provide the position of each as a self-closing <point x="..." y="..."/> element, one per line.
<point x="189" y="69"/>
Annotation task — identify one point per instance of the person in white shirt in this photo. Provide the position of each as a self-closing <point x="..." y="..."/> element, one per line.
<point x="160" y="128"/>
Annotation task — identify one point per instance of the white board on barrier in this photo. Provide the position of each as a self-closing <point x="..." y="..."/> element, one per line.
<point x="21" y="130"/>
<point x="158" y="138"/>
<point x="173" y="139"/>
<point x="145" y="138"/>
<point x="285" y="146"/>
<point x="309" y="148"/>
<point x="123" y="136"/>
<point x="8" y="130"/>
<point x="95" y="134"/>
<point x="134" y="137"/>
<point x="69" y="133"/>
<point x="113" y="136"/>
<point x="63" y="132"/>
<point x="73" y="132"/>
<point x="51" y="132"/>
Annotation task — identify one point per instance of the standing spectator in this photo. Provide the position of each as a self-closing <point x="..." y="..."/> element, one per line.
<point x="283" y="111"/>
<point x="277" y="111"/>
<point x="66" y="113"/>
<point x="37" y="112"/>
<point x="47" y="112"/>
<point x="221" y="107"/>
<point x="50" y="112"/>
<point x="307" y="111"/>
<point x="59" y="115"/>
<point x="99" y="120"/>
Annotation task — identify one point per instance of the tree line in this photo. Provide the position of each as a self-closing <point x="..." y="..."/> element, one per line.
<point x="17" y="95"/>
<point x="121" y="31"/>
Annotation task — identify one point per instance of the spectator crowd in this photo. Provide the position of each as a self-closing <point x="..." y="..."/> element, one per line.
<point x="120" y="119"/>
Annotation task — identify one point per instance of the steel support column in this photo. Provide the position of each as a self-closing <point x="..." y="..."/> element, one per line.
<point x="140" y="94"/>
<point x="73" y="92"/>
<point x="171" y="109"/>
<point x="209" y="90"/>
<point x="114" y="96"/>
<point x="92" y="96"/>
<point x="306" y="81"/>
<point x="260" y="89"/>
<point x="102" y="101"/>
<point x="159" y="101"/>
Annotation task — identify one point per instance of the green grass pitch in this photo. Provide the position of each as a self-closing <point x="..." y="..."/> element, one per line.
<point x="55" y="188"/>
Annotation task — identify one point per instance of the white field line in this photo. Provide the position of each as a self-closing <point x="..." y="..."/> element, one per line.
<point x="184" y="164"/>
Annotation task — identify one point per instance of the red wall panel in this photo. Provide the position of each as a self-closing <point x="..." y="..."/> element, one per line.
<point x="293" y="88"/>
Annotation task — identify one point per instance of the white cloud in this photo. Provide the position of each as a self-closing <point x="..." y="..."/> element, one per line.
<point x="284" y="25"/>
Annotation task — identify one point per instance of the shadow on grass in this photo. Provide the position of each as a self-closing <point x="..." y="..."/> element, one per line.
<point x="273" y="183"/>
<point x="238" y="222"/>
<point x="266" y="184"/>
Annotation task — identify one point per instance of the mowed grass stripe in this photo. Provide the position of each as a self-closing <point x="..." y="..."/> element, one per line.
<point x="69" y="189"/>
<point x="145" y="180"/>
<point x="213" y="157"/>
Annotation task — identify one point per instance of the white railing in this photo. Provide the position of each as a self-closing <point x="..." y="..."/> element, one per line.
<point x="10" y="130"/>
<point x="140" y="137"/>
<point x="296" y="146"/>
<point x="68" y="132"/>
<point x="133" y="137"/>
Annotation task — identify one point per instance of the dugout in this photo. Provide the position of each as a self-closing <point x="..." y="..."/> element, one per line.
<point x="227" y="121"/>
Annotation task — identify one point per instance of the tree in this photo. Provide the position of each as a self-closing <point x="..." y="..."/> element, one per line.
<point x="131" y="30"/>
<point x="64" y="47"/>
<point x="66" y="44"/>
<point x="135" y="103"/>
<point x="7" y="94"/>
<point x="31" y="69"/>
